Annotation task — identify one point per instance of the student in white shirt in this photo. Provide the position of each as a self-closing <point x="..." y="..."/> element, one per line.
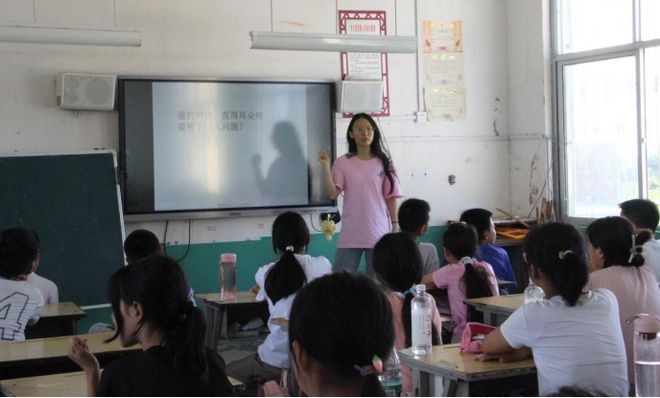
<point x="20" y="303"/>
<point x="643" y="214"/>
<point x="278" y="283"/>
<point x="47" y="288"/>
<point x="575" y="336"/>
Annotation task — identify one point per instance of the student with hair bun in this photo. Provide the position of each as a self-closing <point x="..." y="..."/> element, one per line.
<point x="616" y="257"/>
<point x="339" y="329"/>
<point x="150" y="304"/>
<point x="575" y="336"/>
<point x="278" y="283"/>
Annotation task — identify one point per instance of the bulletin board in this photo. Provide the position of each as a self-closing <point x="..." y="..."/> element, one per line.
<point x="365" y="66"/>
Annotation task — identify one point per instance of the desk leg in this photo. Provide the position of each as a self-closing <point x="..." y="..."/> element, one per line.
<point x="213" y="317"/>
<point x="422" y="383"/>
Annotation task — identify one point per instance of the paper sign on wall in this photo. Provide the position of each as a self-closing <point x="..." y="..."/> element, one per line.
<point x="444" y="84"/>
<point x="365" y="66"/>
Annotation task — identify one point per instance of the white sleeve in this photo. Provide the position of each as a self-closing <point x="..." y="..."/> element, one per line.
<point x="54" y="296"/>
<point x="260" y="279"/>
<point x="39" y="303"/>
<point x="516" y="330"/>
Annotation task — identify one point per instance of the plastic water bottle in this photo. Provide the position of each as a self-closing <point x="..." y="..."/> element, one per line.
<point x="533" y="293"/>
<point x="227" y="276"/>
<point x="421" y="321"/>
<point x="391" y="377"/>
<point x="647" y="356"/>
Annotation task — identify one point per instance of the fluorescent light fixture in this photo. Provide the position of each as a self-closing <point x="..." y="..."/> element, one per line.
<point x="332" y="42"/>
<point x="70" y="35"/>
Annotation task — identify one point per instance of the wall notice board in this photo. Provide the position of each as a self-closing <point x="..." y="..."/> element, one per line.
<point x="73" y="202"/>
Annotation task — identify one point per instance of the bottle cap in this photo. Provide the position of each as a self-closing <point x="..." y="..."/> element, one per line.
<point x="647" y="324"/>
<point x="420" y="288"/>
<point x="228" y="257"/>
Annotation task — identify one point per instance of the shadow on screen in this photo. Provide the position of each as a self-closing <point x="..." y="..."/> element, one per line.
<point x="286" y="180"/>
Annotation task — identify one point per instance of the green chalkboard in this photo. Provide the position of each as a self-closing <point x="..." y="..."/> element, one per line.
<point x="72" y="201"/>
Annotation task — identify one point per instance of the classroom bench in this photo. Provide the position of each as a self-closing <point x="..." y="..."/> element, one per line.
<point x="48" y="355"/>
<point x="56" y="320"/>
<point x="496" y="309"/>
<point x="220" y="312"/>
<point x="457" y="370"/>
<point x="71" y="384"/>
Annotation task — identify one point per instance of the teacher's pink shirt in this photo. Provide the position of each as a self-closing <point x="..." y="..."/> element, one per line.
<point x="365" y="218"/>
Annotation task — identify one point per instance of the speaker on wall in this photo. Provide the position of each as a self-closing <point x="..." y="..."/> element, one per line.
<point x="79" y="91"/>
<point x="355" y="96"/>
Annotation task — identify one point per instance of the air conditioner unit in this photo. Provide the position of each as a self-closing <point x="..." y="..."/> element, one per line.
<point x="355" y="96"/>
<point x="86" y="92"/>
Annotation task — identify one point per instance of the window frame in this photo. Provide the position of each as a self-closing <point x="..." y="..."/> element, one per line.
<point x="559" y="62"/>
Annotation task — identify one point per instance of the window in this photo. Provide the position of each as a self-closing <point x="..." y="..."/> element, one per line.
<point x="607" y="63"/>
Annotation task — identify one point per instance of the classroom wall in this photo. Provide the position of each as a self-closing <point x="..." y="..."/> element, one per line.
<point x="498" y="154"/>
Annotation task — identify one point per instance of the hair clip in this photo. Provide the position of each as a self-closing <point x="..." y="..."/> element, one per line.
<point x="562" y="254"/>
<point x="289" y="249"/>
<point x="376" y="367"/>
<point x="636" y="249"/>
<point x="465" y="260"/>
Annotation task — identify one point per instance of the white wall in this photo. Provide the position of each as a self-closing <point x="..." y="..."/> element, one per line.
<point x="504" y="77"/>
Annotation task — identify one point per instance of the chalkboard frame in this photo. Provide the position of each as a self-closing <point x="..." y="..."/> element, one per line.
<point x="73" y="201"/>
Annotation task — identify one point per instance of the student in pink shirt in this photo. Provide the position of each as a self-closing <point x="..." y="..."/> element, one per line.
<point x="367" y="178"/>
<point x="615" y="257"/>
<point x="464" y="276"/>
<point x="398" y="266"/>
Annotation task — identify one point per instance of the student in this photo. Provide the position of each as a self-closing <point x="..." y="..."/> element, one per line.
<point x="20" y="303"/>
<point x="643" y="214"/>
<point x="278" y="284"/>
<point x="615" y="253"/>
<point x="481" y="220"/>
<point x="47" y="288"/>
<point x="338" y="323"/>
<point x="575" y="336"/>
<point x="398" y="266"/>
<point x="150" y="304"/>
<point x="414" y="221"/>
<point x="370" y="185"/>
<point x="464" y="276"/>
<point x="142" y="243"/>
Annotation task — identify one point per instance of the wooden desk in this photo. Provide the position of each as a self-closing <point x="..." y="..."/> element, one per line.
<point x="60" y="385"/>
<point x="496" y="309"/>
<point x="457" y="369"/>
<point x="56" y="320"/>
<point x="47" y="356"/>
<point x="217" y="312"/>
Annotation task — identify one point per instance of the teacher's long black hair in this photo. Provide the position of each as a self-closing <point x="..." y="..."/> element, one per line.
<point x="377" y="147"/>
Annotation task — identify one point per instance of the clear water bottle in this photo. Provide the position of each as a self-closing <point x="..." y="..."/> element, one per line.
<point x="227" y="276"/>
<point x="421" y="321"/>
<point x="646" y="344"/>
<point x="533" y="293"/>
<point x="391" y="376"/>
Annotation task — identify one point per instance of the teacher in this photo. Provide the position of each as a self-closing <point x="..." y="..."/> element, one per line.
<point x="368" y="180"/>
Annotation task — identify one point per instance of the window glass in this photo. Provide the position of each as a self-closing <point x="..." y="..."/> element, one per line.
<point x="650" y="25"/>
<point x="591" y="24"/>
<point x="600" y="125"/>
<point x="652" y="118"/>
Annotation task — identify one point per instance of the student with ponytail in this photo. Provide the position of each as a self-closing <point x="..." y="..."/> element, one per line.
<point x="340" y="334"/>
<point x="150" y="304"/>
<point x="618" y="264"/>
<point x="398" y="266"/>
<point x="574" y="335"/>
<point x="278" y="283"/>
<point x="463" y="276"/>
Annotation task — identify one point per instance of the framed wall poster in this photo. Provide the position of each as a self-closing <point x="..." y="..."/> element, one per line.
<point x="365" y="66"/>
